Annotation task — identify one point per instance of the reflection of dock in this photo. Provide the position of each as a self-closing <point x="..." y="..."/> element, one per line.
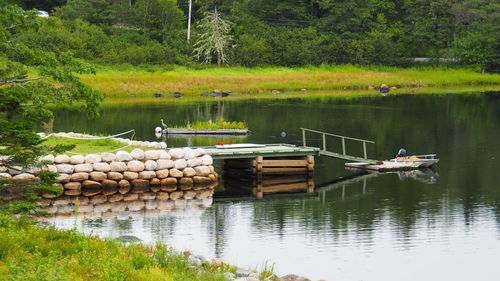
<point x="237" y="186"/>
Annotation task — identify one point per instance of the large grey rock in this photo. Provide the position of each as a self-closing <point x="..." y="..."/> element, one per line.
<point x="63" y="178"/>
<point x="5" y="175"/>
<point x="23" y="177"/>
<point x="176" y="153"/>
<point x="135" y="166"/>
<point x="164" y="164"/>
<point x="65" y="168"/>
<point x="199" y="152"/>
<point x="102" y="167"/>
<point x="175" y="173"/>
<point x="115" y="176"/>
<point x="164" y="155"/>
<point x="123" y="156"/>
<point x="83" y="168"/>
<point x="118" y="167"/>
<point x="180" y="164"/>
<point x="98" y="176"/>
<point x="152" y="154"/>
<point x="52" y="168"/>
<point x="77" y="159"/>
<point x="161" y="174"/>
<point x="189" y="172"/>
<point x="150" y="165"/>
<point x="137" y="154"/>
<point x="130" y="176"/>
<point x="108" y="157"/>
<point x="147" y="175"/>
<point x="293" y="277"/>
<point x="207" y="160"/>
<point x="61" y="159"/>
<point x="92" y="158"/>
<point x="246" y="279"/>
<point x="202" y="171"/>
<point x="188" y="153"/>
<point x="73" y="185"/>
<point x="47" y="158"/>
<point x="229" y="276"/>
<point x="194" y="162"/>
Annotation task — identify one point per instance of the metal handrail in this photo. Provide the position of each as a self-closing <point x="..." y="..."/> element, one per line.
<point x="339" y="136"/>
<point x="343" y="138"/>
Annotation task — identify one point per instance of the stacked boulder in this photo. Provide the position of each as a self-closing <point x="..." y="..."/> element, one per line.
<point x="180" y="173"/>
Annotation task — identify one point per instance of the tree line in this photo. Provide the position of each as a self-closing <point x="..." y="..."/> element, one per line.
<point x="278" y="32"/>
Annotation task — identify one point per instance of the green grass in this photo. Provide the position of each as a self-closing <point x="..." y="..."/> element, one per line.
<point x="122" y="82"/>
<point x="32" y="252"/>
<point x="89" y="146"/>
<point x="220" y="124"/>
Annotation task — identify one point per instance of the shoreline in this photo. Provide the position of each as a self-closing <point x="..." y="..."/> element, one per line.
<point x="278" y="80"/>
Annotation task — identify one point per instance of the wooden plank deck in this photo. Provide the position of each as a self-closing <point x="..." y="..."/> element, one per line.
<point x="268" y="150"/>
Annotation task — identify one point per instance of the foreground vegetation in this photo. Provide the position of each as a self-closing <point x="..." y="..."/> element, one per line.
<point x="33" y="252"/>
<point x="192" y="82"/>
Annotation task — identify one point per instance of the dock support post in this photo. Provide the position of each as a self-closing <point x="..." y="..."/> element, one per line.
<point x="258" y="167"/>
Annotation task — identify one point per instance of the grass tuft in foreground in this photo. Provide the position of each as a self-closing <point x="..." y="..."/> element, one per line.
<point x="32" y="252"/>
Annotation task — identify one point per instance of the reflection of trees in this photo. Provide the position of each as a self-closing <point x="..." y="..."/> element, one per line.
<point x="162" y="228"/>
<point x="217" y="221"/>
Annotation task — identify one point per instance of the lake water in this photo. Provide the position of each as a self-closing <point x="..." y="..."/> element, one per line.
<point x="433" y="225"/>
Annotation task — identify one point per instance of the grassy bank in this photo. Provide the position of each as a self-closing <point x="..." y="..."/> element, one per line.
<point x="255" y="81"/>
<point x="89" y="146"/>
<point x="31" y="252"/>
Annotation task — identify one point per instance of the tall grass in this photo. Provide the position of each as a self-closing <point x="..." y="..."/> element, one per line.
<point x="192" y="82"/>
<point x="30" y="252"/>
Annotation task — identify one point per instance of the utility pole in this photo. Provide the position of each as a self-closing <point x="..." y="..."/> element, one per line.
<point x="189" y="21"/>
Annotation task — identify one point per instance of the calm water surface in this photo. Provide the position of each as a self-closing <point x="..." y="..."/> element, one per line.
<point x="433" y="225"/>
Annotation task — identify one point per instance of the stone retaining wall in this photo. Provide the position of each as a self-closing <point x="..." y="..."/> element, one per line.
<point x="179" y="173"/>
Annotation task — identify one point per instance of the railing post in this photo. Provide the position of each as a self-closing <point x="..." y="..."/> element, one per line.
<point x="304" y="137"/>
<point x="343" y="145"/>
<point x="324" y="142"/>
<point x="364" y="150"/>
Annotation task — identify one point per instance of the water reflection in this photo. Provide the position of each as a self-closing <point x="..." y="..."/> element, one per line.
<point x="376" y="227"/>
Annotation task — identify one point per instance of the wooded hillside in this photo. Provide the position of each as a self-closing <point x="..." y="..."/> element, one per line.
<point x="277" y="32"/>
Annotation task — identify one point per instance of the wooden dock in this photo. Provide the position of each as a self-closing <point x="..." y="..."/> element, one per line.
<point x="266" y="150"/>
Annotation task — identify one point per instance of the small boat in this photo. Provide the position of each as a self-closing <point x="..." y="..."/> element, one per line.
<point x="419" y="161"/>
<point x="398" y="164"/>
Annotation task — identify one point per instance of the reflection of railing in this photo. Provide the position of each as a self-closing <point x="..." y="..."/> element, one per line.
<point x="344" y="155"/>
